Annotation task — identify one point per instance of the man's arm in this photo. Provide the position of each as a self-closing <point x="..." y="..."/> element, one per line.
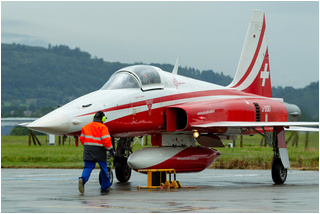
<point x="82" y="137"/>
<point x="106" y="138"/>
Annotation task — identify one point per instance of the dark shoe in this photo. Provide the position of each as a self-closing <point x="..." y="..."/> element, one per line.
<point x="104" y="192"/>
<point x="81" y="185"/>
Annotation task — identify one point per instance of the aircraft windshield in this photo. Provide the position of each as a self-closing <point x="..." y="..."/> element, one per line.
<point x="147" y="74"/>
<point x="144" y="76"/>
<point x="121" y="80"/>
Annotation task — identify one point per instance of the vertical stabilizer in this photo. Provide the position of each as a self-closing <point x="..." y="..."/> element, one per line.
<point x="253" y="72"/>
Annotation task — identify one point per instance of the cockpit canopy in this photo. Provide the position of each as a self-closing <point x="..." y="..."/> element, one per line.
<point x="138" y="76"/>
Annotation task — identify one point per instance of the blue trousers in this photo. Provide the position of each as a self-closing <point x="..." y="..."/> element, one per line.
<point x="89" y="166"/>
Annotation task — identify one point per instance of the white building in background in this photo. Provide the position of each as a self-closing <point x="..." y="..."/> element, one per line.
<point x="7" y="124"/>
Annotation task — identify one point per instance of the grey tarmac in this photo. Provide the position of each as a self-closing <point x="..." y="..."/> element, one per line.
<point x="230" y="191"/>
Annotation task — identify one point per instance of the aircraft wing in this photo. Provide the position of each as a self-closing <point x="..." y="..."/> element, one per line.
<point x="303" y="129"/>
<point x="293" y="126"/>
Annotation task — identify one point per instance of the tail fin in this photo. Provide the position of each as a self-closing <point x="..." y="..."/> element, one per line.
<point x="253" y="72"/>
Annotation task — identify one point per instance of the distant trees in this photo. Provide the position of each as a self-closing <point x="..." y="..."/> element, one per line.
<point x="28" y="111"/>
<point x="306" y="98"/>
<point x="49" y="76"/>
<point x="217" y="78"/>
<point x="19" y="131"/>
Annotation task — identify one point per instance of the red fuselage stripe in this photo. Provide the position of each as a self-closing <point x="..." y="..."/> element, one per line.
<point x="177" y="97"/>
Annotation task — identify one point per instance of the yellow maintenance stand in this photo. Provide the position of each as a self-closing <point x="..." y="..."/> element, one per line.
<point x="157" y="179"/>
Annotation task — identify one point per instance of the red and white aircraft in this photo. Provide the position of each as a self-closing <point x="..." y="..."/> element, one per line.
<point x="178" y="112"/>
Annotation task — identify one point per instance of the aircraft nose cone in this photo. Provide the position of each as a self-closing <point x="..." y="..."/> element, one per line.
<point x="56" y="123"/>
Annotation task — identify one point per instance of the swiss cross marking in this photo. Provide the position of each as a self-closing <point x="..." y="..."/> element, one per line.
<point x="264" y="74"/>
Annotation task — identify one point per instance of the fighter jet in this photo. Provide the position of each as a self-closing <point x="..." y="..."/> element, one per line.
<point x="186" y="118"/>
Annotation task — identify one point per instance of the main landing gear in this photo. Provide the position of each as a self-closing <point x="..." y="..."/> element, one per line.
<point x="123" y="151"/>
<point x="278" y="171"/>
<point x="280" y="162"/>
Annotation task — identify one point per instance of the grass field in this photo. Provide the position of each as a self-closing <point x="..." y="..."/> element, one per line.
<point x="16" y="153"/>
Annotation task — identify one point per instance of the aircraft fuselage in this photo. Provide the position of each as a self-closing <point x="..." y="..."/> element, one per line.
<point x="174" y="104"/>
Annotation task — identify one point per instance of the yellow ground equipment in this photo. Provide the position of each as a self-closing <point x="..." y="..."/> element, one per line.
<point x="157" y="179"/>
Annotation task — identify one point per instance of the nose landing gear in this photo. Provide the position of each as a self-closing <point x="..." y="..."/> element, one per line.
<point x="123" y="151"/>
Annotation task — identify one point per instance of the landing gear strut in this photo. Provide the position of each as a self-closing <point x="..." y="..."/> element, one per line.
<point x="278" y="172"/>
<point x="123" y="151"/>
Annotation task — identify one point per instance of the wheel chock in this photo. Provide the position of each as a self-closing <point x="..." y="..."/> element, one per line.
<point x="176" y="184"/>
<point x="166" y="185"/>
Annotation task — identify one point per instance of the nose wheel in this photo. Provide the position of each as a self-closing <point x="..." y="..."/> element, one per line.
<point x="123" y="151"/>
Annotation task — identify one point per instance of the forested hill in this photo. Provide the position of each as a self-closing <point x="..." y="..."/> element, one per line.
<point x="35" y="80"/>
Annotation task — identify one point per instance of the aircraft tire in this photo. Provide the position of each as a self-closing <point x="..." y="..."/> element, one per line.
<point x="278" y="172"/>
<point x="110" y="176"/>
<point x="123" y="171"/>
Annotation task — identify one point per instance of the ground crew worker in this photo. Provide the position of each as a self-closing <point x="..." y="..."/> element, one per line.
<point x="96" y="139"/>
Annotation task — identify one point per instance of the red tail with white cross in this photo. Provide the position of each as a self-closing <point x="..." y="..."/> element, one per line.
<point x="253" y="72"/>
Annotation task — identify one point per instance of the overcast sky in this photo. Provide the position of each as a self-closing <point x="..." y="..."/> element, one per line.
<point x="205" y="35"/>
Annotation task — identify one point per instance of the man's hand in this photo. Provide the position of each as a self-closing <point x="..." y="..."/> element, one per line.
<point x="111" y="152"/>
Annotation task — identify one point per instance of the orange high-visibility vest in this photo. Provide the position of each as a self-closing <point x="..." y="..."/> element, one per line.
<point x="96" y="134"/>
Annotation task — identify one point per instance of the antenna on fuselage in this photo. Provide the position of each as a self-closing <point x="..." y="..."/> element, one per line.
<point x="176" y="66"/>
